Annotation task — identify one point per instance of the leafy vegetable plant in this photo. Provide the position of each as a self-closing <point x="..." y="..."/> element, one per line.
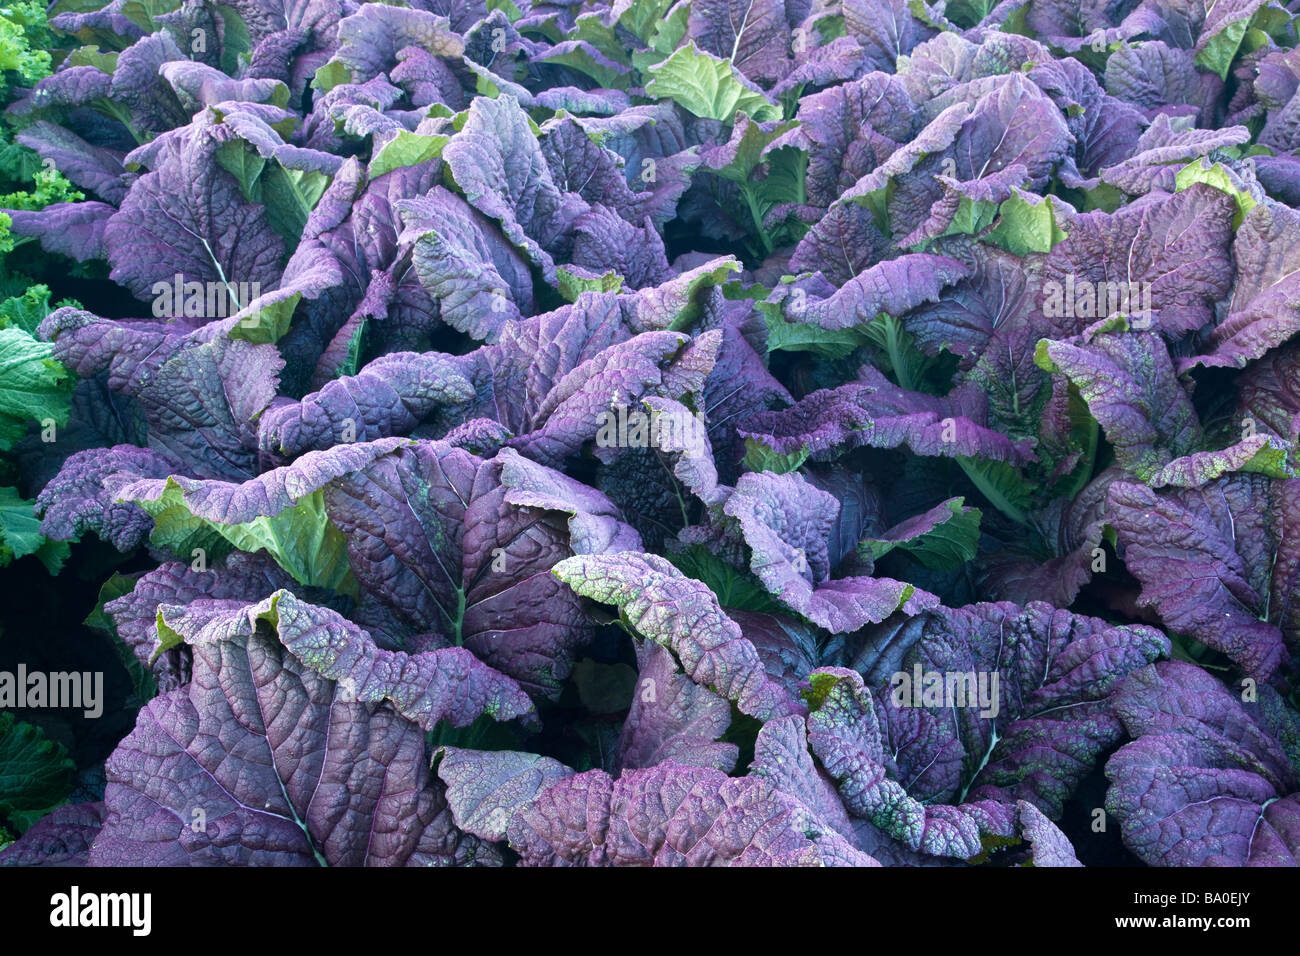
<point x="754" y="432"/>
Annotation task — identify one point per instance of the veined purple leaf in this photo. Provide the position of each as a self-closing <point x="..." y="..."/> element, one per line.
<point x="1202" y="783"/>
<point x="682" y="614"/>
<point x="283" y="766"/>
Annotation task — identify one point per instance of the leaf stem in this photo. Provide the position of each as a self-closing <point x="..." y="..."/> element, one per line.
<point x="990" y="491"/>
<point x="993" y="742"/>
<point x="460" y="617"/>
<point x="894" y="347"/>
<point x="757" y="218"/>
<point x="1089" y="460"/>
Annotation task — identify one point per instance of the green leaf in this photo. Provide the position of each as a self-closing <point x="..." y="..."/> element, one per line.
<point x="20" y="534"/>
<point x="330" y="75"/>
<point x="804" y="337"/>
<point x="943" y="547"/>
<point x="1268" y="22"/>
<point x="142" y="12"/>
<point x="907" y="362"/>
<point x="708" y="87"/>
<point x="749" y="153"/>
<point x="301" y="538"/>
<point x="236" y="43"/>
<point x="143" y="685"/>
<point x="507" y="7"/>
<point x="972" y="217"/>
<point x="32" y="385"/>
<point x="26" y="311"/>
<point x="289" y="196"/>
<point x="168" y="636"/>
<point x="642" y="18"/>
<point x="581" y="60"/>
<point x="1026" y="224"/>
<point x="733" y="588"/>
<point x="667" y="37"/>
<point x="6" y="237"/>
<point x="91" y="56"/>
<point x="406" y="149"/>
<point x="35" y="773"/>
<point x="23" y="36"/>
<point x="267" y="324"/>
<point x="487" y="83"/>
<point x="780" y="181"/>
<point x="351" y="363"/>
<point x="1270" y="460"/>
<point x="1221" y="49"/>
<point x="684" y="297"/>
<point x="48" y="186"/>
<point x="819" y="688"/>
<point x="1001" y="484"/>
<point x="759" y="457"/>
<point x="784" y="335"/>
<point x="573" y="285"/>
<point x="74" y="6"/>
<point x="1216" y="175"/>
<point x="244" y="163"/>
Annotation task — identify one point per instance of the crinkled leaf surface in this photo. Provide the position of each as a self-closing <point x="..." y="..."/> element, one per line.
<point x="1216" y="563"/>
<point x="1204" y="782"/>
<point x="663" y="605"/>
<point x="285" y="766"/>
